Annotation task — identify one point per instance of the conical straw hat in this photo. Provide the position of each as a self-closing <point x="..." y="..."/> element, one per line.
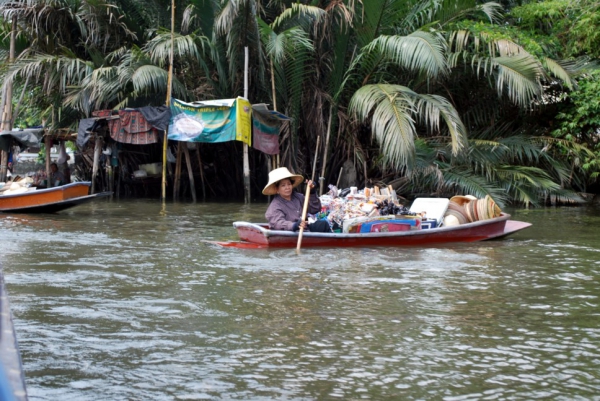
<point x="451" y="220"/>
<point x="469" y="212"/>
<point x="475" y="209"/>
<point x="462" y="199"/>
<point x="461" y="218"/>
<point x="490" y="206"/>
<point x="483" y="209"/>
<point x="459" y="211"/>
<point x="277" y="175"/>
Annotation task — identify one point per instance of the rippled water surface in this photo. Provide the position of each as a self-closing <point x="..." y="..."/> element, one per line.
<point x="114" y="301"/>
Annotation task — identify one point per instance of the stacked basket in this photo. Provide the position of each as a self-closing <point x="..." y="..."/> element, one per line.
<point x="467" y="209"/>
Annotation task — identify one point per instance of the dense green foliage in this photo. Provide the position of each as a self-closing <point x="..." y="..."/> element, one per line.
<point x="435" y="96"/>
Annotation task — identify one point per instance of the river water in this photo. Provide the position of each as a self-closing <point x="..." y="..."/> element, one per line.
<point x="116" y="301"/>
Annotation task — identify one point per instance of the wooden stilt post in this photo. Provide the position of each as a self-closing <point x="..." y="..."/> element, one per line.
<point x="201" y="171"/>
<point x="97" y="150"/>
<point x="188" y="163"/>
<point x="48" y="143"/>
<point x="177" y="173"/>
<point x="269" y="169"/>
<point x="111" y="178"/>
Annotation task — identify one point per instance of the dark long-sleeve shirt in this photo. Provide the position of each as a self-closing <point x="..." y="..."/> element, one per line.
<point x="282" y="214"/>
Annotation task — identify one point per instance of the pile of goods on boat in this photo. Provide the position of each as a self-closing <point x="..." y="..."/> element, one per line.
<point x="17" y="186"/>
<point x="378" y="210"/>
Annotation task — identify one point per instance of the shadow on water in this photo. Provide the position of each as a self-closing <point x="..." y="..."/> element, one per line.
<point x="114" y="300"/>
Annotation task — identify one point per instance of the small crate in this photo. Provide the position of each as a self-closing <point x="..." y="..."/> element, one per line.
<point x="152" y="168"/>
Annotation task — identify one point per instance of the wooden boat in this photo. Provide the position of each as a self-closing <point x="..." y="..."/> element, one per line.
<point x="260" y="236"/>
<point x="48" y="200"/>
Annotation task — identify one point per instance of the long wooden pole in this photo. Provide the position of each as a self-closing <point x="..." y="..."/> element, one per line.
<point x="325" y="149"/>
<point x="304" y="210"/>
<point x="168" y="103"/>
<point x="6" y="112"/>
<point x="315" y="160"/>
<point x="306" y="196"/>
<point x="246" y="161"/>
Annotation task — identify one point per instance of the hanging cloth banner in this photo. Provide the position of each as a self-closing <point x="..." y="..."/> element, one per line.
<point x="265" y="128"/>
<point x="265" y="134"/>
<point x="211" y="121"/>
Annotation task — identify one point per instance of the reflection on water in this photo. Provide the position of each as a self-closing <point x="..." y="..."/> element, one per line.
<point x="116" y="301"/>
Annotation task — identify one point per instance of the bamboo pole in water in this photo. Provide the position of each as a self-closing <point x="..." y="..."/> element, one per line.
<point x="168" y="103"/>
<point x="6" y="112"/>
<point x="246" y="160"/>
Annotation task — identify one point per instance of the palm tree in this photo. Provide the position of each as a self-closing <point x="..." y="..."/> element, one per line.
<point x="418" y="77"/>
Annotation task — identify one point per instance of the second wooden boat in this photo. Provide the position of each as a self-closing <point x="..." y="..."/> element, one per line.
<point x="48" y="200"/>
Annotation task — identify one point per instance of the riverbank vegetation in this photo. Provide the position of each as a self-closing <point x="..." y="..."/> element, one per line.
<point x="433" y="97"/>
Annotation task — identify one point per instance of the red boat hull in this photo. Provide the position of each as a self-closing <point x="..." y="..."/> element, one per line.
<point x="261" y="236"/>
<point x="45" y="199"/>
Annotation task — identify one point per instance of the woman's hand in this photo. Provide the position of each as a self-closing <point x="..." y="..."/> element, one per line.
<point x="299" y="224"/>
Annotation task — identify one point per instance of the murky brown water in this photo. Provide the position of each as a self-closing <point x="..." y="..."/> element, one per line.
<point x="113" y="301"/>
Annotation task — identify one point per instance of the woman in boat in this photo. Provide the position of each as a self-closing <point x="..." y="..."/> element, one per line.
<point x="285" y="211"/>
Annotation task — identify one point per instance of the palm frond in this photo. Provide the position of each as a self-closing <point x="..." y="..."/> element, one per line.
<point x="299" y="14"/>
<point x="460" y="180"/>
<point x="431" y="107"/>
<point x="557" y="70"/>
<point x="192" y="45"/>
<point x="390" y="111"/>
<point x="419" y="51"/>
<point x="517" y="76"/>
